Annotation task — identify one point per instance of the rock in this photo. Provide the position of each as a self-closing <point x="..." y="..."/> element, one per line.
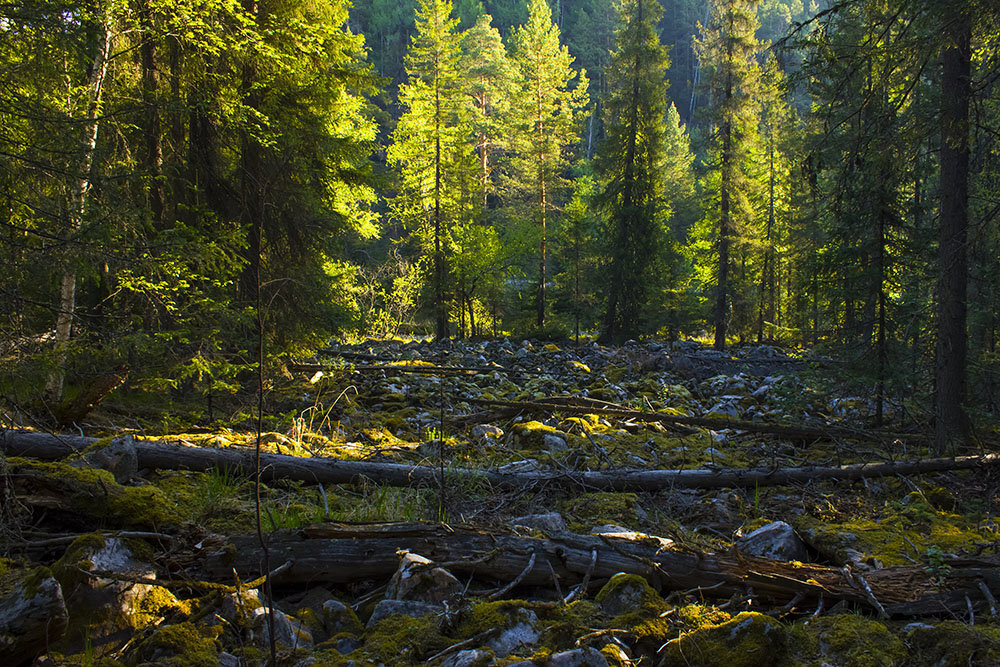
<point x="240" y="608"/>
<point x="728" y="410"/>
<point x="338" y="617"/>
<point x="348" y="644"/>
<point x="749" y="639"/>
<point x="118" y="457"/>
<point x="228" y="660"/>
<point x="471" y="658"/>
<point x="578" y="657"/>
<point x="287" y="629"/>
<point x="629" y="593"/>
<point x="405" y="607"/>
<point x="527" y="465"/>
<point x="32" y="617"/>
<point x="102" y="609"/>
<point x="714" y="453"/>
<point x="485" y="431"/>
<point x="776" y="540"/>
<point x="550" y="522"/>
<point x="417" y="579"/>
<point x="554" y="443"/>
<point x="910" y="627"/>
<point x="523" y="632"/>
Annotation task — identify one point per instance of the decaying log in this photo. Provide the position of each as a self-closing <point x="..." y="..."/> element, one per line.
<point x="341" y="553"/>
<point x="92" y="394"/>
<point x="425" y="369"/>
<point x="574" y="405"/>
<point x="171" y="456"/>
<point x="31" y="618"/>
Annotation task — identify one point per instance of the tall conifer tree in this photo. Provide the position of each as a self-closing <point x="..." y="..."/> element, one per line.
<point x="548" y="110"/>
<point x="728" y="51"/>
<point x="431" y="144"/>
<point x="632" y="163"/>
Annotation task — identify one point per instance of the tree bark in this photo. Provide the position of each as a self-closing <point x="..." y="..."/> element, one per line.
<point x="950" y="421"/>
<point x="77" y="205"/>
<point x="340" y="553"/>
<point x="162" y="455"/>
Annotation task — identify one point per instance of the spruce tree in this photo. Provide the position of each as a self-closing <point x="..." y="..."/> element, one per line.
<point x="547" y="112"/>
<point x="631" y="163"/>
<point x="728" y="51"/>
<point x="431" y="143"/>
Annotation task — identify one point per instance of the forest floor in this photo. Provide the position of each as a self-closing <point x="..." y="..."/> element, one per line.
<point x="161" y="566"/>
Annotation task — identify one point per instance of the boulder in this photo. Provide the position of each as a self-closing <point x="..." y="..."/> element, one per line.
<point x="405" y="607"/>
<point x="417" y="579"/>
<point x="578" y="657"/>
<point x="776" y="540"/>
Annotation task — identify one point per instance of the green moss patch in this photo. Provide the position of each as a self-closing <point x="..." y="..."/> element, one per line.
<point x="182" y="645"/>
<point x="590" y="509"/>
<point x="747" y="640"/>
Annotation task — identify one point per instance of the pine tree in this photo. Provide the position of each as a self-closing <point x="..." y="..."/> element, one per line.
<point x="632" y="161"/>
<point x="548" y="109"/>
<point x="728" y="51"/>
<point x="431" y="143"/>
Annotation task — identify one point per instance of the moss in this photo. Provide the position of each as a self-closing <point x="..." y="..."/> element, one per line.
<point x="72" y="567"/>
<point x="33" y="582"/>
<point x="531" y="435"/>
<point x="590" y="509"/>
<point x="485" y="616"/>
<point x="701" y="616"/>
<point x="182" y="645"/>
<point x="630" y="599"/>
<point x="565" y="624"/>
<point x="954" y="644"/>
<point x="747" y="640"/>
<point x="95" y="494"/>
<point x="150" y="608"/>
<point x="399" y="639"/>
<point x="854" y="640"/>
<point x="899" y="534"/>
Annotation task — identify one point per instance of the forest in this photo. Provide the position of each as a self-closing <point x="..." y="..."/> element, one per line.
<point x="474" y="332"/>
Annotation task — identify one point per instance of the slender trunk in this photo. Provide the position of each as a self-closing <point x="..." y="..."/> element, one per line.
<point x="880" y="340"/>
<point x="542" y="204"/>
<point x="150" y="82"/>
<point x="441" y="316"/>
<point x="251" y="176"/>
<point x="951" y="424"/>
<point x="721" y="296"/>
<point x="77" y="205"/>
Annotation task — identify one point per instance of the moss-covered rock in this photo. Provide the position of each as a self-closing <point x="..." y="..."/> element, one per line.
<point x="747" y="640"/>
<point x="531" y="435"/>
<point x="629" y="598"/>
<point x="590" y="509"/>
<point x="849" y="639"/>
<point x="404" y="640"/>
<point x="182" y="645"/>
<point x="952" y="644"/>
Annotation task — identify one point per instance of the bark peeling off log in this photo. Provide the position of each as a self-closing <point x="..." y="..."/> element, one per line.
<point x="162" y="455"/>
<point x="339" y="553"/>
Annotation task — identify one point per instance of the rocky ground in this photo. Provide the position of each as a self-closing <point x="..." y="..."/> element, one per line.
<point x="127" y="565"/>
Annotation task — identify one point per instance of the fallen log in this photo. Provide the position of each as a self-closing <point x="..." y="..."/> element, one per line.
<point x="573" y="405"/>
<point x="171" y="456"/>
<point x="342" y="553"/>
<point x="424" y="369"/>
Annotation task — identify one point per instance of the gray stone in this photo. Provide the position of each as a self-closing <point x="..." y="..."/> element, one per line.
<point x="554" y="443"/>
<point x="471" y="658"/>
<point x="484" y="431"/>
<point x="522" y="632"/>
<point x="550" y="522"/>
<point x="405" y="607"/>
<point x="240" y="608"/>
<point x="228" y="660"/>
<point x="338" y="617"/>
<point x="419" y="580"/>
<point x="288" y="630"/>
<point x="776" y="540"/>
<point x="916" y="625"/>
<point x="578" y="657"/>
<point x="724" y="410"/>
<point x="347" y="645"/>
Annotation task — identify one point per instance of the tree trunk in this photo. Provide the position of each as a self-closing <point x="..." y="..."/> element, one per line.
<point x="950" y="421"/>
<point x="77" y="205"/>
<point x="162" y="455"/>
<point x="338" y="553"/>
<point x="154" y="149"/>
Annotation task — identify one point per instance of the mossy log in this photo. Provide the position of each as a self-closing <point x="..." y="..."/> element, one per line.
<point x="341" y="553"/>
<point x="162" y="455"/>
<point x="32" y="618"/>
